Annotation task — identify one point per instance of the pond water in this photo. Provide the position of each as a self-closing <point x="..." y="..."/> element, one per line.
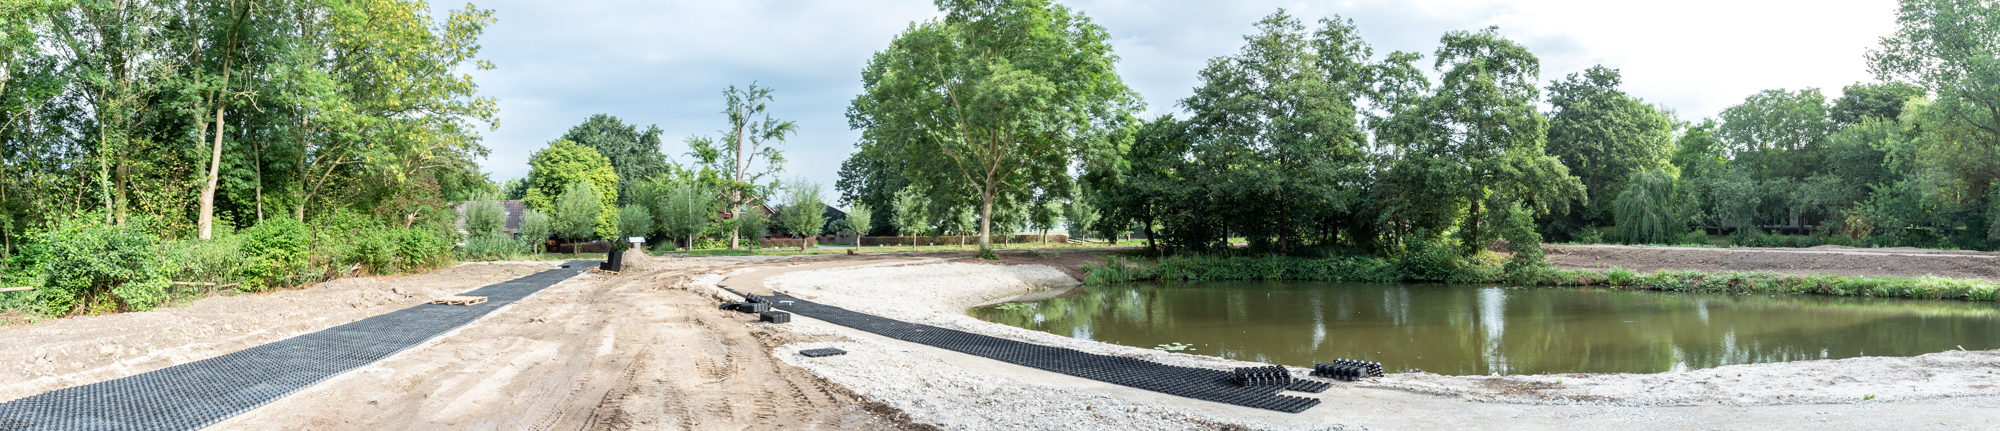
<point x="1478" y="330"/>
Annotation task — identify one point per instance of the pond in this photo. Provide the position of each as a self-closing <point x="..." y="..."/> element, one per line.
<point x="1478" y="330"/>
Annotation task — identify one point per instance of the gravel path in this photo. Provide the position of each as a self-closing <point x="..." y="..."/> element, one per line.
<point x="1949" y="390"/>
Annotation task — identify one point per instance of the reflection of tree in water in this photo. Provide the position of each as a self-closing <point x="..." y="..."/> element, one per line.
<point x="1481" y="330"/>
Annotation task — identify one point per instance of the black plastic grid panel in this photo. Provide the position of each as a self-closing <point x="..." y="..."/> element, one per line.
<point x="200" y="393"/>
<point x="1198" y="383"/>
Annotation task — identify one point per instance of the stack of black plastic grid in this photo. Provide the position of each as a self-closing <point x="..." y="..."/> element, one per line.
<point x="1198" y="383"/>
<point x="1274" y="375"/>
<point x="1348" y="369"/>
<point x="200" y="393"/>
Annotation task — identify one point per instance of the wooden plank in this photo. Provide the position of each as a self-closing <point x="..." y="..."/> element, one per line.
<point x="459" y="300"/>
<point x="17" y="289"/>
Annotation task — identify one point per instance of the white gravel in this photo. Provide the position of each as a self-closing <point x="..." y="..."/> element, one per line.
<point x="951" y="390"/>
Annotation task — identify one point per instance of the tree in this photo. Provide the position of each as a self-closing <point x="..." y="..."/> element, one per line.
<point x="749" y="137"/>
<point x="804" y="212"/>
<point x="635" y="155"/>
<point x="1778" y="133"/>
<point x="1079" y="214"/>
<point x="553" y="170"/>
<point x="686" y="209"/>
<point x="1645" y="210"/>
<point x="577" y="212"/>
<point x="1603" y="136"/>
<point x="1045" y="215"/>
<point x="634" y="221"/>
<point x="535" y="229"/>
<point x="1881" y="100"/>
<point x="995" y="101"/>
<point x="754" y="224"/>
<point x="859" y="218"/>
<point x="483" y="216"/>
<point x="912" y="213"/>
<point x="1947" y="47"/>
<point x="1276" y="125"/>
<point x="1476" y="142"/>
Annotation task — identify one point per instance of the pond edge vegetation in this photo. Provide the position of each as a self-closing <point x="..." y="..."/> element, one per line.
<point x="1488" y="268"/>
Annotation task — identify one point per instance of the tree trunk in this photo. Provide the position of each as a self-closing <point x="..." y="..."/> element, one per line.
<point x="985" y="220"/>
<point x="1472" y="227"/>
<point x="214" y="170"/>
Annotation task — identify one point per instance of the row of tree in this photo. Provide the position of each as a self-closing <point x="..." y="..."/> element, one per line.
<point x="193" y="112"/>
<point x="1309" y="140"/>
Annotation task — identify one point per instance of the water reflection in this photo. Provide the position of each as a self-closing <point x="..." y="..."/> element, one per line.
<point x="1469" y="330"/>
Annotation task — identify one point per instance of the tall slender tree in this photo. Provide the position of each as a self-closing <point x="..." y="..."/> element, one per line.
<point x="752" y="134"/>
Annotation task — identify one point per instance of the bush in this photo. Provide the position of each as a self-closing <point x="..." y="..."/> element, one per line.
<point x="276" y="251"/>
<point x="535" y="230"/>
<point x="490" y="246"/>
<point x="93" y="268"/>
<point x="577" y="214"/>
<point x="788" y="242"/>
<point x="1426" y="259"/>
<point x="483" y="215"/>
<point x="420" y="248"/>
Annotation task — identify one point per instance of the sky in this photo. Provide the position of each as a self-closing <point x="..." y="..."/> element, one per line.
<point x="666" y="63"/>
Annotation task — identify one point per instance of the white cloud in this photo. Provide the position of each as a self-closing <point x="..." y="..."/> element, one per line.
<point x="666" y="62"/>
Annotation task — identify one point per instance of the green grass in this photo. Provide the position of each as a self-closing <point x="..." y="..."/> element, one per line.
<point x="1487" y="270"/>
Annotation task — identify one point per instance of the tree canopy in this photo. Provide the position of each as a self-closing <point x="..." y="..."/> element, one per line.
<point x="994" y="102"/>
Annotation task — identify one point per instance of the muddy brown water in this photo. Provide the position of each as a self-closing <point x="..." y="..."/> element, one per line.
<point x="1479" y="330"/>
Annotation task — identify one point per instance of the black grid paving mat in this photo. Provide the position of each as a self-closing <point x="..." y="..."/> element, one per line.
<point x="200" y="393"/>
<point x="1197" y="383"/>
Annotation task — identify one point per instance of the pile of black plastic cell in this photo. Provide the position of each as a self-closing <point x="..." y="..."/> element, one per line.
<point x="200" y="393"/>
<point x="820" y="353"/>
<point x="1198" y="383"/>
<point x="1348" y="369"/>
<point x="1274" y="375"/>
<point x="775" y="317"/>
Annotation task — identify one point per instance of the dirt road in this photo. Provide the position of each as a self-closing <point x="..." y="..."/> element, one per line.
<point x="635" y="350"/>
<point x="1835" y="260"/>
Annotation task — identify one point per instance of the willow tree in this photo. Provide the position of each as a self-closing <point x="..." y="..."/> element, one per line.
<point x="1645" y="210"/>
<point x="995" y="101"/>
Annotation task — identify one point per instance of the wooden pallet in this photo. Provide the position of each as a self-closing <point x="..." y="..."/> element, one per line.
<point x="602" y="271"/>
<point x="459" y="300"/>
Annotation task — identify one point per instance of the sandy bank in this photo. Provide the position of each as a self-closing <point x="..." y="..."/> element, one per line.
<point x="1941" y="390"/>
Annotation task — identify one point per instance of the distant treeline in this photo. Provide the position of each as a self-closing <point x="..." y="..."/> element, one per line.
<point x="1307" y="140"/>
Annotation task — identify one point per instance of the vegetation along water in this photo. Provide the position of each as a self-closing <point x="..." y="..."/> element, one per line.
<point x="1463" y="329"/>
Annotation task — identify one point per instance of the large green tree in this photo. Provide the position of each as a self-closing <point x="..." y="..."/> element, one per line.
<point x="996" y="101"/>
<point x="1278" y="124"/>
<point x="553" y="170"/>
<point x="1603" y="136"/>
<point x="634" y="154"/>
<point x="1475" y="143"/>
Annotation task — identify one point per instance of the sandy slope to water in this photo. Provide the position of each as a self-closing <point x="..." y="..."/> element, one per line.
<point x="1946" y="390"/>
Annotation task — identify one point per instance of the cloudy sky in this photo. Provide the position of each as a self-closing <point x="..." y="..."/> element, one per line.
<point x="667" y="62"/>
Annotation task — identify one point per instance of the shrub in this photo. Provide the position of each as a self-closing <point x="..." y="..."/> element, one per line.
<point x="577" y="213"/>
<point x="420" y="248"/>
<point x="276" y="251"/>
<point x="1428" y="259"/>
<point x="1620" y="277"/>
<point x="483" y="215"/>
<point x="535" y="230"/>
<point x="634" y="220"/>
<point x="489" y="246"/>
<point x="95" y="268"/>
